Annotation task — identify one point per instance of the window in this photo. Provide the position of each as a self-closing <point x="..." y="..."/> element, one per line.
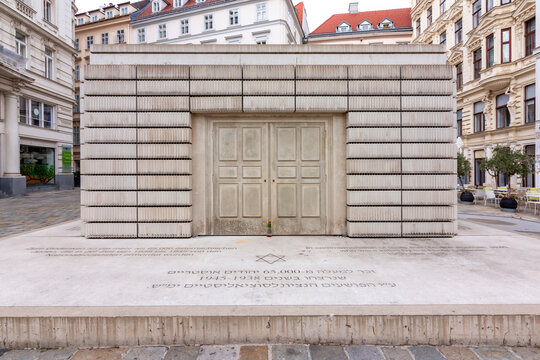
<point x="502" y="180"/>
<point x="94" y="18"/>
<point x="504" y="2"/>
<point x="47" y="116"/>
<point x="124" y="11"/>
<point x="530" y="29"/>
<point x="442" y="38"/>
<point x="506" y="51"/>
<point x="77" y="107"/>
<point x="386" y="24"/>
<point x="365" y="26"/>
<point x="528" y="181"/>
<point x="479" y="119"/>
<point x="184" y="26"/>
<point x="261" y="12"/>
<point x="490" y="51"/>
<point x="162" y="31"/>
<point x="48" y="63"/>
<point x="109" y="14"/>
<point x="236" y="40"/>
<point x="479" y="174"/>
<point x="208" y="22"/>
<point x="156" y="6"/>
<point x="459" y="75"/>
<point x="76" y="135"/>
<point x="47" y="10"/>
<point x="489" y="5"/>
<point x="503" y="115"/>
<point x="477" y="62"/>
<point x="442" y="6"/>
<point x="105" y="38"/>
<point x="458" y="26"/>
<point x="233" y="17"/>
<point x="80" y="21"/>
<point x="177" y="3"/>
<point x="23" y="110"/>
<point x="343" y="27"/>
<point x="120" y="36"/>
<point x="261" y="39"/>
<point x="141" y="36"/>
<point x="20" y="43"/>
<point x="77" y="72"/>
<point x="530" y="103"/>
<point x="429" y="15"/>
<point x="459" y="121"/>
<point x="89" y="41"/>
<point x="418" y="27"/>
<point x="32" y="112"/>
<point x="477" y="12"/>
<point x="77" y="44"/>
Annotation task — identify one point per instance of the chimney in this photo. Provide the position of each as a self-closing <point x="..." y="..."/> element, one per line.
<point x="353" y="8"/>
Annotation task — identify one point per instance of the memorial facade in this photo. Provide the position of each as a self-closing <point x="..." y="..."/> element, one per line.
<point x="317" y="139"/>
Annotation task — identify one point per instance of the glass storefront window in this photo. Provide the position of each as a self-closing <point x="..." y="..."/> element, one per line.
<point x="37" y="165"/>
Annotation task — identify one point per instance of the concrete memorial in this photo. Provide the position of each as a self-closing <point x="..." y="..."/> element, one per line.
<point x="181" y="141"/>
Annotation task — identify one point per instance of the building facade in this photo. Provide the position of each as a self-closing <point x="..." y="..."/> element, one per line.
<point x="491" y="45"/>
<point x="219" y="22"/>
<point x="109" y="24"/>
<point x="370" y="27"/>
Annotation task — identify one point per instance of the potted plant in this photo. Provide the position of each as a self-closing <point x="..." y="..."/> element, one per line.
<point x="463" y="169"/>
<point x="508" y="162"/>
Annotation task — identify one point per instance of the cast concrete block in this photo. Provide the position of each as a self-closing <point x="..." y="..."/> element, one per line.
<point x="321" y="72"/>
<point x="164" y="151"/>
<point x="216" y="72"/>
<point x="371" y="72"/>
<point x="429" y="213"/>
<point x="164" y="119"/>
<point x="110" y="103"/>
<point x="108" y="182"/>
<point x="429" y="166"/>
<point x="108" y="198"/>
<point x="373" y="182"/>
<point x="382" y="103"/>
<point x="380" y="151"/>
<point x="109" y="119"/>
<point x="163" y="87"/>
<point x="321" y="87"/>
<point x="164" y="182"/>
<point x="164" y="214"/>
<point x="374" y="213"/>
<point x="431" y="229"/>
<point x="429" y="182"/>
<point x="108" y="214"/>
<point x="164" y="198"/>
<point x="269" y="72"/>
<point x="109" y="230"/>
<point x="159" y="167"/>
<point x="162" y="72"/>
<point x="376" y="197"/>
<point x="430" y="72"/>
<point x="428" y="119"/>
<point x="216" y="104"/>
<point x="373" y="119"/>
<point x="321" y="103"/>
<point x="111" y="151"/>
<point x="373" y="229"/>
<point x="110" y="87"/>
<point x="444" y="135"/>
<point x="427" y="87"/>
<point x="164" y="230"/>
<point x="162" y="103"/>
<point x="373" y="135"/>
<point x="108" y="167"/>
<point x="429" y="150"/>
<point x="374" y="87"/>
<point x="164" y="135"/>
<point x="109" y="72"/>
<point x="269" y="103"/>
<point x="373" y="166"/>
<point x="264" y="87"/>
<point x="429" y="197"/>
<point x="109" y="135"/>
<point x="427" y="103"/>
<point x="215" y="87"/>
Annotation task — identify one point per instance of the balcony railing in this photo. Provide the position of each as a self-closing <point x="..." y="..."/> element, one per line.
<point x="25" y="8"/>
<point x="12" y="60"/>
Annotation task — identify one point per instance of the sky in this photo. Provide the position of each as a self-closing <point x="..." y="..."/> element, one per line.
<point x="317" y="10"/>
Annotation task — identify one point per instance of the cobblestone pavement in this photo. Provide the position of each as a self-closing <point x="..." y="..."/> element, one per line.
<point x="37" y="210"/>
<point x="279" y="352"/>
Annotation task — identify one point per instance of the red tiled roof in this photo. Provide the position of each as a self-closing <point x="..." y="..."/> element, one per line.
<point x="300" y="11"/>
<point x="400" y="17"/>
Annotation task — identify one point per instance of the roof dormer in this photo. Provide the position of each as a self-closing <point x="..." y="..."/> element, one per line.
<point x="156" y="6"/>
<point x="386" y="24"/>
<point x="365" y="25"/>
<point x="344" y="27"/>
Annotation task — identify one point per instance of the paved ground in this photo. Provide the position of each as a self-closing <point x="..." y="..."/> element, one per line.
<point x="280" y="352"/>
<point x="37" y="210"/>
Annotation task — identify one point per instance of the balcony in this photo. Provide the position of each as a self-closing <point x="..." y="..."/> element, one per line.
<point x="25" y="9"/>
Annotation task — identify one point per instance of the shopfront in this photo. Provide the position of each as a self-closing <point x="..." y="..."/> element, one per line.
<point x="37" y="165"/>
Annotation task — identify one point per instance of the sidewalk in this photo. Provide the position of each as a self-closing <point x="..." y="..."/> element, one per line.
<point x="492" y="210"/>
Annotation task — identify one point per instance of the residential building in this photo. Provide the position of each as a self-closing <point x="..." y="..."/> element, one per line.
<point x="220" y="22"/>
<point x="36" y="94"/>
<point x="369" y="27"/>
<point x="491" y="45"/>
<point x="109" y="24"/>
<point x="537" y="105"/>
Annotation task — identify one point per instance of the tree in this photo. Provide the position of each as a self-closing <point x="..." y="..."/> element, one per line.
<point x="463" y="168"/>
<point x="508" y="162"/>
